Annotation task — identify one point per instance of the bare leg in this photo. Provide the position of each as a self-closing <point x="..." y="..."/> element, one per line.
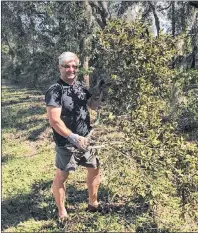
<point x="58" y="189"/>
<point x="93" y="182"/>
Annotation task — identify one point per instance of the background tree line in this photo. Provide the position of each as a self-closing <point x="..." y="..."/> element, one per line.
<point x="34" y="33"/>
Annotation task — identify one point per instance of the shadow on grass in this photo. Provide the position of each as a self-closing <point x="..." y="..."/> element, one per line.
<point x="6" y="158"/>
<point x="34" y="135"/>
<point x="14" y="117"/>
<point x="22" y="207"/>
<point x="127" y="214"/>
<point x="22" y="100"/>
<point x="26" y="125"/>
<point x="40" y="205"/>
<point x="21" y="121"/>
<point x="19" y="95"/>
<point x="13" y="88"/>
<point x="18" y="118"/>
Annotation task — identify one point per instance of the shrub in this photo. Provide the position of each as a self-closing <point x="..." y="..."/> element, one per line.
<point x="142" y="85"/>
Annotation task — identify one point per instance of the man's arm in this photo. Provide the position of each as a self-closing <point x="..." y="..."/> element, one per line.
<point x="58" y="125"/>
<point x="55" y="121"/>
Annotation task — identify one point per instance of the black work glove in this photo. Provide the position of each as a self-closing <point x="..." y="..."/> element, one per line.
<point x="98" y="90"/>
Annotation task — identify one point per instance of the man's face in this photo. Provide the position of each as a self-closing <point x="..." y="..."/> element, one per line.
<point x="68" y="71"/>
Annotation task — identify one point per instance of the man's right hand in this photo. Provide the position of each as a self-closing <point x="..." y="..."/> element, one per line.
<point x="98" y="90"/>
<point x="80" y="142"/>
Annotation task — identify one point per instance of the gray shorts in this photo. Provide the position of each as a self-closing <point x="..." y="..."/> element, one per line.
<point x="69" y="158"/>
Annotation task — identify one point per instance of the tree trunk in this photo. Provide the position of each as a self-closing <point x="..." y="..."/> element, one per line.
<point x="157" y="22"/>
<point x="173" y="19"/>
<point x="85" y="42"/>
<point x="86" y="67"/>
<point x="183" y="19"/>
<point x="102" y="12"/>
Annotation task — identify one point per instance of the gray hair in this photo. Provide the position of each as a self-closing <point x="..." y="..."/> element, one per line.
<point x="68" y="56"/>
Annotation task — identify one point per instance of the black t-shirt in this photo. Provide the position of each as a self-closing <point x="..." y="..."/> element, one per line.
<point x="75" y="114"/>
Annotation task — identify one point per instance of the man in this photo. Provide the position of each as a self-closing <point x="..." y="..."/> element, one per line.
<point x="69" y="118"/>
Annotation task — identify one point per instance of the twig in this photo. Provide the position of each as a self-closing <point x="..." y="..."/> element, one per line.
<point x="95" y="147"/>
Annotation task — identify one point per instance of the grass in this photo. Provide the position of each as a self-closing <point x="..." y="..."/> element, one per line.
<point x="28" y="169"/>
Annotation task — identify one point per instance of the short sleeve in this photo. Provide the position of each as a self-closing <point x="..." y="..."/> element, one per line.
<point x="53" y="96"/>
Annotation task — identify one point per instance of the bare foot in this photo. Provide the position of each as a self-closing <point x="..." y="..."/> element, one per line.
<point x="63" y="214"/>
<point x="63" y="218"/>
<point x="95" y="204"/>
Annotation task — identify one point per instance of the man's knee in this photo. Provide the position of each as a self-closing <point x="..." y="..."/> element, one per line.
<point x="93" y="171"/>
<point x="60" y="177"/>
